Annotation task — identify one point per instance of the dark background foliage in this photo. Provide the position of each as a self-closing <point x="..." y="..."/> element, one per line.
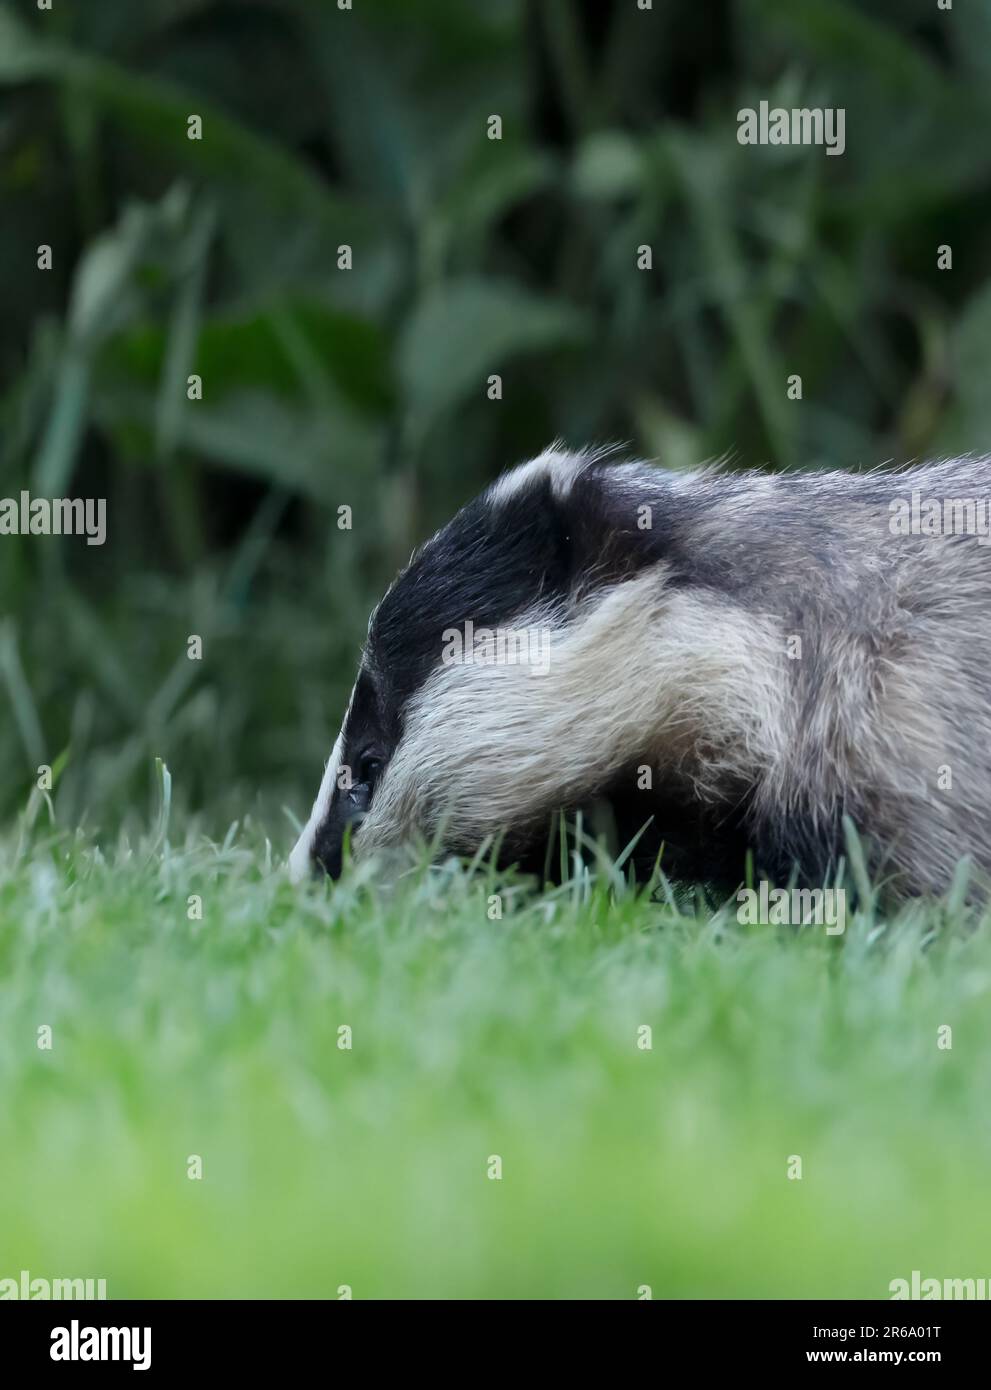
<point x="366" y="387"/>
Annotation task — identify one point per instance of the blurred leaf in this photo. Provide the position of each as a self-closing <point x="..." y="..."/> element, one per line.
<point x="183" y="331"/>
<point x="745" y="308"/>
<point x="22" y="55"/>
<point x="156" y="111"/>
<point x="104" y="296"/>
<point x="834" y="29"/>
<point x="673" y="442"/>
<point x="488" y="186"/>
<point x="232" y="353"/>
<point x="22" y="700"/>
<point x="465" y="330"/>
<point x="607" y="165"/>
<point x="968" y="427"/>
<point x="970" y="34"/>
<point x="321" y="456"/>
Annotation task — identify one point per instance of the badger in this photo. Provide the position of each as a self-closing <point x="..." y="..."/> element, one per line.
<point x="735" y="667"/>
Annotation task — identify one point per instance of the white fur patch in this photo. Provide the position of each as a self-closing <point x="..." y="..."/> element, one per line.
<point x="639" y="673"/>
<point x="300" y="863"/>
<point x="559" y="466"/>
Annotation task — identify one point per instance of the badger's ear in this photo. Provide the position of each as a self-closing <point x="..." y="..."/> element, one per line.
<point x="583" y="521"/>
<point x="615" y="515"/>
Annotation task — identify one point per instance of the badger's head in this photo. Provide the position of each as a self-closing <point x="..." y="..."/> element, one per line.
<point x="532" y="657"/>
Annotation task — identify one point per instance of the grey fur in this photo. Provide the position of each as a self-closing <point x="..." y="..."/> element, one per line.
<point x="885" y="716"/>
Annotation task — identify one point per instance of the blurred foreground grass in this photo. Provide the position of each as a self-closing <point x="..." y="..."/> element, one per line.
<point x="367" y="1167"/>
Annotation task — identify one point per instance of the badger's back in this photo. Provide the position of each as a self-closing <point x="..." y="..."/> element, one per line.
<point x="886" y="633"/>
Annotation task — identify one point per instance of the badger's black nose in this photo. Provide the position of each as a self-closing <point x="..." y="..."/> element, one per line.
<point x="346" y="814"/>
<point x="328" y="854"/>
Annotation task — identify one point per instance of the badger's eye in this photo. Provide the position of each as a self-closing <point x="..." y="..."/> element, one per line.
<point x="369" y="767"/>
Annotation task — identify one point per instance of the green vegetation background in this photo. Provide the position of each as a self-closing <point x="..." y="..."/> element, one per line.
<point x="366" y="388"/>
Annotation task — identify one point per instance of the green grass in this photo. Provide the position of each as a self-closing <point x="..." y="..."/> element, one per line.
<point x="474" y="1037"/>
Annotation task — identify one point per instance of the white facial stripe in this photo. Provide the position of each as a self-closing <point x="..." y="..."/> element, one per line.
<point x="300" y="862"/>
<point x="643" y="672"/>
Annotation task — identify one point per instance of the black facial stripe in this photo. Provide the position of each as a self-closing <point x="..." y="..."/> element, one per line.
<point x="493" y="563"/>
<point x="488" y="565"/>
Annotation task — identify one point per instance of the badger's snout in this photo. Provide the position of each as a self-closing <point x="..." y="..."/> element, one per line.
<point x="328" y="846"/>
<point x="348" y="787"/>
<point x="320" y="847"/>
